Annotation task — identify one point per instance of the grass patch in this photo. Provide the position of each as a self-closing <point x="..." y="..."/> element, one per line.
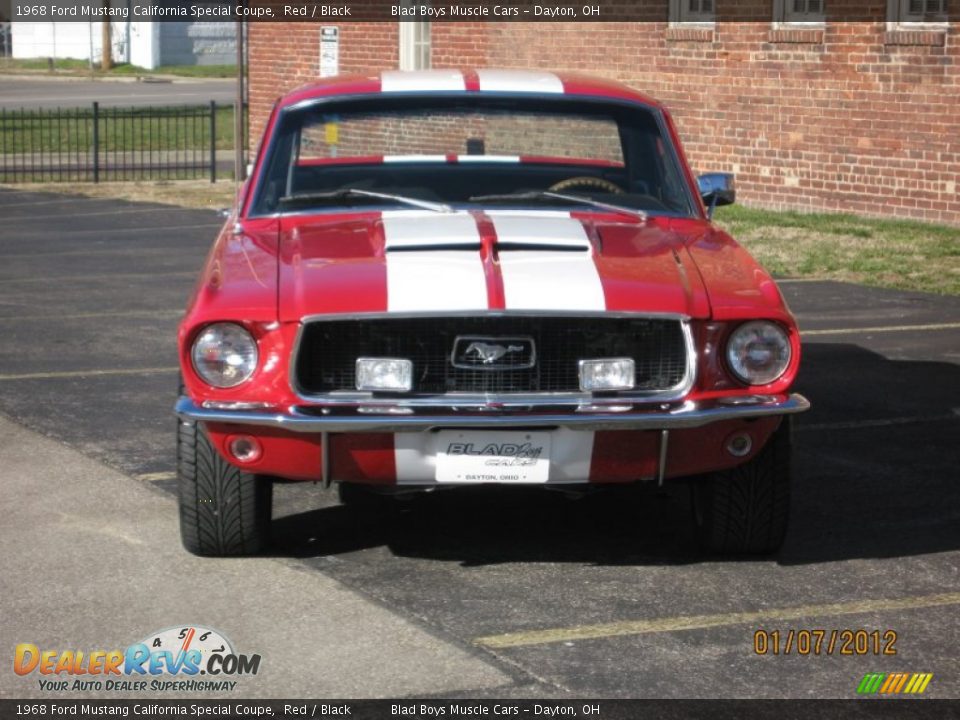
<point x="901" y="254"/>
<point x="183" y="193"/>
<point x="70" y="131"/>
<point x="67" y="66"/>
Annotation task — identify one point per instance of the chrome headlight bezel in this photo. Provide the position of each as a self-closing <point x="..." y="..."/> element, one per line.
<point x="236" y="349"/>
<point x="758" y="352"/>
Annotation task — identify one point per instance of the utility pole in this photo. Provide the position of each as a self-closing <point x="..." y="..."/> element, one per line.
<point x="106" y="47"/>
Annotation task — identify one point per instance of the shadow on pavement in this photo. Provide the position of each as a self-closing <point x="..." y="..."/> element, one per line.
<point x="862" y="489"/>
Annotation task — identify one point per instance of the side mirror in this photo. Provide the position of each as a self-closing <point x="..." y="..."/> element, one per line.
<point x="717" y="189"/>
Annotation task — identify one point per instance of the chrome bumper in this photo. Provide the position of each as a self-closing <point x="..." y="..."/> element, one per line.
<point x="339" y="419"/>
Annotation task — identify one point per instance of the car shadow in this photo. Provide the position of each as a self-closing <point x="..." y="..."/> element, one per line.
<point x="871" y="480"/>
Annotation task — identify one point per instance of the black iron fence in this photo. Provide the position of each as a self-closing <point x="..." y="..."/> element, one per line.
<point x="95" y="144"/>
<point x="6" y="39"/>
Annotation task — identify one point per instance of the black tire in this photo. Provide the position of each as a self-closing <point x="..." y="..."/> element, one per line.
<point x="224" y="511"/>
<point x="744" y="510"/>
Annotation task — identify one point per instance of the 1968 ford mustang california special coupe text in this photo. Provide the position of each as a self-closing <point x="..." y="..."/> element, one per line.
<point x="447" y="278"/>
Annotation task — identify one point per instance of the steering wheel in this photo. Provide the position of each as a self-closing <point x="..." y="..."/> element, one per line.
<point x="588" y="182"/>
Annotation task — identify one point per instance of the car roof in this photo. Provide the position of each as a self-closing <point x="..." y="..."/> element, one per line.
<point x="467" y="82"/>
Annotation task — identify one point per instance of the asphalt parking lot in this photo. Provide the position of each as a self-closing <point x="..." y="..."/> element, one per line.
<point x="523" y="593"/>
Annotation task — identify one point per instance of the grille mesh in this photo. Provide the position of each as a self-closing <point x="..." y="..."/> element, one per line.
<point x="329" y="349"/>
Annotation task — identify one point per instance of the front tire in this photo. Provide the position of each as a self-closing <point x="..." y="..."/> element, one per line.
<point x="744" y="510"/>
<point x="224" y="511"/>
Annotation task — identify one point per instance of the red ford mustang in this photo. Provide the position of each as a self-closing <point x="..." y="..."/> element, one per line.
<point x="448" y="278"/>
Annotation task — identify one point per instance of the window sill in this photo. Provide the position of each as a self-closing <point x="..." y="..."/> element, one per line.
<point x="810" y="36"/>
<point x="691" y="34"/>
<point x="929" y="38"/>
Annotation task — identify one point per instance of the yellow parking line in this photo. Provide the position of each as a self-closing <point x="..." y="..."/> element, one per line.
<point x="88" y="373"/>
<point x="696" y="622"/>
<point x="881" y="329"/>
<point x="155" y="476"/>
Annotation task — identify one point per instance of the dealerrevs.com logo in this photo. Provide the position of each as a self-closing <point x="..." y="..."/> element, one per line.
<point x="188" y="658"/>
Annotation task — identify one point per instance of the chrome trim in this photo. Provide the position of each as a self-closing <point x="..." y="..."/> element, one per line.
<point x="641" y="417"/>
<point x="499" y="340"/>
<point x="325" y="459"/>
<point x="466" y="400"/>
<point x="662" y="465"/>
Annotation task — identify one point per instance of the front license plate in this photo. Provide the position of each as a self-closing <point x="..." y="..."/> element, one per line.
<point x="493" y="457"/>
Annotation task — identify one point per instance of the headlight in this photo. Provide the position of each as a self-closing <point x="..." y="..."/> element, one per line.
<point x="224" y="355"/>
<point x="758" y="352"/>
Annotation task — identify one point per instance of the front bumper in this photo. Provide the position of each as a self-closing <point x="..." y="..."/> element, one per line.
<point x="379" y="419"/>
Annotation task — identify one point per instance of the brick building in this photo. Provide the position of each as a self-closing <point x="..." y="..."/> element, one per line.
<point x="810" y="113"/>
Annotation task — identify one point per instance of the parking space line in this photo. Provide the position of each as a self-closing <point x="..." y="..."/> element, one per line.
<point x="106" y="276"/>
<point x="85" y="316"/>
<point x="131" y="211"/>
<point x="881" y="329"/>
<point x="697" y="622"/>
<point x="883" y="422"/>
<point x="156" y="476"/>
<point x="109" y="231"/>
<point x="87" y="373"/>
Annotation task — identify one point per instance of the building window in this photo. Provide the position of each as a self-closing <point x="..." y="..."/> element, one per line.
<point x="918" y="11"/>
<point x="414" y="39"/>
<point x="699" y="12"/>
<point x="799" y="12"/>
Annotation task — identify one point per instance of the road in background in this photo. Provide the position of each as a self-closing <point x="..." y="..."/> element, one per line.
<point x="90" y="294"/>
<point x="24" y="91"/>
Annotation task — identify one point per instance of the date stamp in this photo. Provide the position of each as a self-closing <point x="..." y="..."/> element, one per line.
<point x="818" y="641"/>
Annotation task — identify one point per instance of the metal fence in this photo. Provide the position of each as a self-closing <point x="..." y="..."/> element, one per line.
<point x="94" y="144"/>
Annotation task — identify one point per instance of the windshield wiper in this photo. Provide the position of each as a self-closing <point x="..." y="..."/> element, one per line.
<point x="354" y="192"/>
<point x="550" y="195"/>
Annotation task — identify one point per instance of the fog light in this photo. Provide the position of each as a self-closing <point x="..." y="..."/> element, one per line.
<point x="739" y="444"/>
<point x="607" y="374"/>
<point x="384" y="375"/>
<point x="244" y="448"/>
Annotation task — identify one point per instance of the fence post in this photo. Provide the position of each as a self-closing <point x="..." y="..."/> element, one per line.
<point x="213" y="141"/>
<point x="96" y="142"/>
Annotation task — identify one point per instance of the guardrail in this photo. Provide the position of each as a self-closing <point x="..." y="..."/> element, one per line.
<point x="94" y="144"/>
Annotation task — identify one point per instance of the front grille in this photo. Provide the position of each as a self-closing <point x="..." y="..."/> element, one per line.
<point x="326" y="361"/>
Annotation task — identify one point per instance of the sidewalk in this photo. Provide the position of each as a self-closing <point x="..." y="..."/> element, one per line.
<point x="93" y="561"/>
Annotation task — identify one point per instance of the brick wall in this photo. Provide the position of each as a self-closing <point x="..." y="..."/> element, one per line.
<point x="849" y="118"/>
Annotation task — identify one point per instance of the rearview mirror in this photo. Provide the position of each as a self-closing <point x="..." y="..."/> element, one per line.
<point x="717" y="189"/>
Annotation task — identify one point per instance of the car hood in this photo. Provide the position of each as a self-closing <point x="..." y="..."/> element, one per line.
<point x="420" y="261"/>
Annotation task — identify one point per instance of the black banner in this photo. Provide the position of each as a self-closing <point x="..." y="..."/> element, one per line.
<point x="328" y="11"/>
<point x="492" y="709"/>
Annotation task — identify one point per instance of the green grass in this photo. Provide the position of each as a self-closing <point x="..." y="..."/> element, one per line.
<point x="901" y="254"/>
<point x="156" y="128"/>
<point x="82" y="67"/>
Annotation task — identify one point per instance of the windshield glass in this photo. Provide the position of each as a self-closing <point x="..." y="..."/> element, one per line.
<point x="475" y="153"/>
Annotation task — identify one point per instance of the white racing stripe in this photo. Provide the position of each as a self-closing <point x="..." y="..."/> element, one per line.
<point x="421" y="80"/>
<point x="488" y="158"/>
<point x="414" y="158"/>
<point x="519" y="81"/>
<point x="545" y="279"/>
<point x="433" y="279"/>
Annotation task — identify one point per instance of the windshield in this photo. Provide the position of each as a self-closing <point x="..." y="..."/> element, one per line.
<point x="474" y="152"/>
